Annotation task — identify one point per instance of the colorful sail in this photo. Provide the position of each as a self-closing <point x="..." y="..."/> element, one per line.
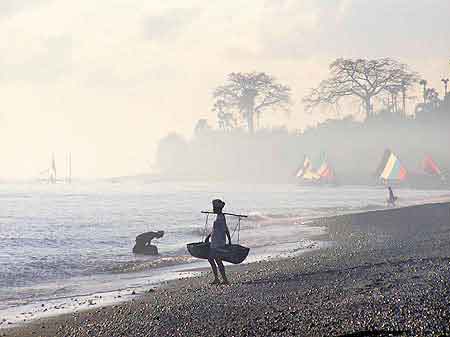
<point x="393" y="169"/>
<point x="306" y="167"/>
<point x="382" y="163"/>
<point x="307" y="172"/>
<point x="325" y="171"/>
<point x="311" y="175"/>
<point x="430" y="166"/>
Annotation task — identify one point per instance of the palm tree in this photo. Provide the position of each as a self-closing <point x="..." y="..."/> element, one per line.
<point x="445" y="81"/>
<point x="424" y="83"/>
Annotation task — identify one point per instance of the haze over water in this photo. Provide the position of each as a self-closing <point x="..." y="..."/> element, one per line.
<point x="163" y="106"/>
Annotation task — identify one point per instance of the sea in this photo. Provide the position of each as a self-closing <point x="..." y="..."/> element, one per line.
<point x="70" y="241"/>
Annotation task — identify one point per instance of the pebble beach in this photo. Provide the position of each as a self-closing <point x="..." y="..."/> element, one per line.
<point x="384" y="273"/>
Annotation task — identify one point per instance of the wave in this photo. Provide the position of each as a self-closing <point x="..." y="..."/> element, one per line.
<point x="157" y="262"/>
<point x="371" y="207"/>
<point x="198" y="231"/>
<point x="257" y="216"/>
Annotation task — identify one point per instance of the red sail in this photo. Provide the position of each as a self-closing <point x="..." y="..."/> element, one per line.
<point x="430" y="166"/>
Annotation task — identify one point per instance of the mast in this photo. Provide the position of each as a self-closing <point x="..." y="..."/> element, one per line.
<point x="52" y="173"/>
<point x="69" y="168"/>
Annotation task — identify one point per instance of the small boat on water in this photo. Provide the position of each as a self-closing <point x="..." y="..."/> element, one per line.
<point x="391" y="171"/>
<point x="431" y="175"/>
<point x="49" y="175"/>
<point x="431" y="167"/>
<point x="324" y="175"/>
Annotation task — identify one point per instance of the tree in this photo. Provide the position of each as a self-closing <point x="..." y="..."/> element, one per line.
<point x="432" y="97"/>
<point x="445" y="81"/>
<point x="393" y="91"/>
<point x="248" y="95"/>
<point x="226" y="120"/>
<point x="423" y="83"/>
<point x="360" y="78"/>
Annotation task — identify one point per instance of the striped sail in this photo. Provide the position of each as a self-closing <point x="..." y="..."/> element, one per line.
<point x="307" y="172"/>
<point x="306" y="167"/>
<point x="324" y="173"/>
<point x="393" y="170"/>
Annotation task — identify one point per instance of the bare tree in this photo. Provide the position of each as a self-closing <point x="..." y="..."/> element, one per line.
<point x="360" y="78"/>
<point x="248" y="95"/>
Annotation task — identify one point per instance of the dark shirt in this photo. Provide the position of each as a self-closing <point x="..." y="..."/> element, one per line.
<point x="218" y="235"/>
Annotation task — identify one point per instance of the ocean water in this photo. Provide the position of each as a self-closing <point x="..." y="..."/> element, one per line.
<point x="58" y="240"/>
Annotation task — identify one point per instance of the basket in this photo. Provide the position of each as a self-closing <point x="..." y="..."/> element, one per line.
<point x="230" y="253"/>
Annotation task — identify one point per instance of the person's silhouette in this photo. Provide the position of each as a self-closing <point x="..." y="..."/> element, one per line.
<point x="218" y="240"/>
<point x="392" y="198"/>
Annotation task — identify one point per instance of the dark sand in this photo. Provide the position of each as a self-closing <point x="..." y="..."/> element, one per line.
<point x="387" y="275"/>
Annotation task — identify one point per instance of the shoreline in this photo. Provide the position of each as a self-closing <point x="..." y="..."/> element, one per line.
<point x="391" y="275"/>
<point x="135" y="285"/>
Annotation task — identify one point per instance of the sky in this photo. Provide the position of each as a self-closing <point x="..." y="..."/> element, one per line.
<point x="106" y="79"/>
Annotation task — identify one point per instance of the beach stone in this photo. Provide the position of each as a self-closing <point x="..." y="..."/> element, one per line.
<point x="363" y="283"/>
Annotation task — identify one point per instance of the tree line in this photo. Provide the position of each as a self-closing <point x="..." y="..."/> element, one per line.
<point x="245" y="97"/>
<point x="241" y="149"/>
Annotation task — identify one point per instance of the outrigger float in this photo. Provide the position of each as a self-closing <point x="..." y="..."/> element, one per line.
<point x="234" y="253"/>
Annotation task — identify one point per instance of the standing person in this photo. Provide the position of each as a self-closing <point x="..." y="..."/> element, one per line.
<point x="392" y="198"/>
<point x="218" y="240"/>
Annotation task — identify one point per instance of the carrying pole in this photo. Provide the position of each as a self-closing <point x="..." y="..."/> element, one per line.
<point x="237" y="215"/>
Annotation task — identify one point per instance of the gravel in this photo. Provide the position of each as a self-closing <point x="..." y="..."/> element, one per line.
<point x="372" y="281"/>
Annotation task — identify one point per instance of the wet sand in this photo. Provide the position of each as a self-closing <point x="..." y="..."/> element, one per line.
<point x="387" y="273"/>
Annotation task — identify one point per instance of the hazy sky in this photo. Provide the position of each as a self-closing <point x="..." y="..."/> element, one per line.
<point x="106" y="79"/>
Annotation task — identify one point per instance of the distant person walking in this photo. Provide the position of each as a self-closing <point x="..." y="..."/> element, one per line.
<point x="218" y="240"/>
<point x="392" y="198"/>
